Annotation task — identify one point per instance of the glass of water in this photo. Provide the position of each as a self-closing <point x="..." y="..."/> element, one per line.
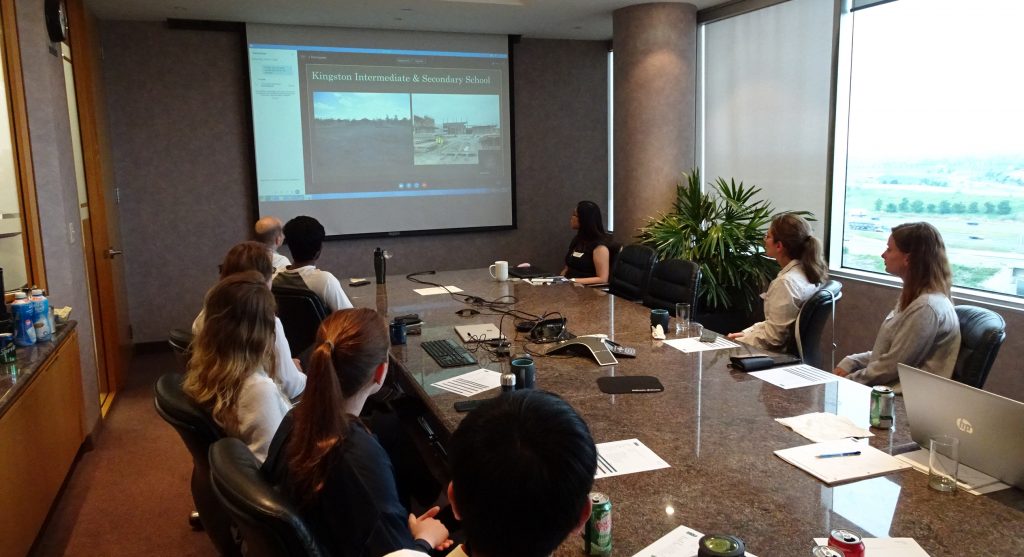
<point x="682" y="317"/>
<point x="943" y="462"/>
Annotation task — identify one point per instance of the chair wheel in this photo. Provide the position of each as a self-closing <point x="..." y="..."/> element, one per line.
<point x="194" y="522"/>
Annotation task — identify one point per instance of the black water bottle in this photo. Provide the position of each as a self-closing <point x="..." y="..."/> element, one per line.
<point x="379" y="265"/>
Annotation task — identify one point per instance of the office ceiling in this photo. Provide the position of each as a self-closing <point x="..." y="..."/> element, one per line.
<point x="550" y="19"/>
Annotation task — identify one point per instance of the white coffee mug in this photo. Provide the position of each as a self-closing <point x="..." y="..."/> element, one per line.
<point x="499" y="271"/>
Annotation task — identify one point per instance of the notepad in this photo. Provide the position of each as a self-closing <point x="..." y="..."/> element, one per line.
<point x="437" y="290"/>
<point x="869" y="463"/>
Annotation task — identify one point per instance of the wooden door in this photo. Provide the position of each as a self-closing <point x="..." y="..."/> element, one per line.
<point x="105" y="263"/>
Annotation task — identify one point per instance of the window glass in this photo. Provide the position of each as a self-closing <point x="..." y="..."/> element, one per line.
<point x="935" y="134"/>
<point x="12" y="243"/>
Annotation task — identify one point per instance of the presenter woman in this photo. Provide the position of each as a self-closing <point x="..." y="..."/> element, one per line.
<point x="790" y="242"/>
<point x="232" y="371"/>
<point x="588" y="259"/>
<point x="923" y="331"/>
<point x="329" y="461"/>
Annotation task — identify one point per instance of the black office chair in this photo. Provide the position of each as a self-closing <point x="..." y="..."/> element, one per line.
<point x="269" y="524"/>
<point x="673" y="281"/>
<point x="198" y="430"/>
<point x="300" y="311"/>
<point x="810" y="323"/>
<point x="982" y="332"/>
<point x="632" y="272"/>
<point x="180" y="341"/>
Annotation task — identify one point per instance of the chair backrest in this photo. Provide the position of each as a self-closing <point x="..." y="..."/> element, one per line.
<point x="197" y="429"/>
<point x="269" y="523"/>
<point x="810" y="323"/>
<point x="300" y="311"/>
<point x="632" y="271"/>
<point x="180" y="341"/>
<point x="982" y="332"/>
<point x="673" y="281"/>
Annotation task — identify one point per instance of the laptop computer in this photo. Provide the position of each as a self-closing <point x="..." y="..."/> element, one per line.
<point x="990" y="427"/>
<point x="529" y="272"/>
<point x="478" y="333"/>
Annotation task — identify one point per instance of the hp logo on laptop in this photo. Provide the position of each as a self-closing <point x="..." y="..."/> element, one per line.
<point x="964" y="425"/>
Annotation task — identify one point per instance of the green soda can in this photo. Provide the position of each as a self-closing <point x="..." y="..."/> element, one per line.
<point x="882" y="401"/>
<point x="597" y="536"/>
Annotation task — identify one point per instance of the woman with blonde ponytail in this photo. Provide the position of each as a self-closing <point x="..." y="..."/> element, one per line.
<point x="232" y="370"/>
<point x="328" y="460"/>
<point x="790" y="242"/>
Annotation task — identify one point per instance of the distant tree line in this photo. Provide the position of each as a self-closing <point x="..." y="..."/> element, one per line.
<point x="945" y="207"/>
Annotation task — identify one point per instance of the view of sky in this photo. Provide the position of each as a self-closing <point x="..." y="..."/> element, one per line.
<point x="477" y="110"/>
<point x="329" y="105"/>
<point x="937" y="78"/>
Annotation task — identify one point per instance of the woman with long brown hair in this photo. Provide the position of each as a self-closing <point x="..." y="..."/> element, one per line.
<point x="790" y="243"/>
<point x="232" y="369"/>
<point x="331" y="464"/>
<point x="923" y="330"/>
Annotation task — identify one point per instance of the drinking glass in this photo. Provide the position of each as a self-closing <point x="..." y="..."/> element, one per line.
<point x="682" y="317"/>
<point x="943" y="462"/>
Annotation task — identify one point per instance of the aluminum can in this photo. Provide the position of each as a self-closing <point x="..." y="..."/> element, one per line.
<point x="7" y="353"/>
<point x="825" y="551"/>
<point x="597" y="536"/>
<point x="847" y="542"/>
<point x="882" y="399"/>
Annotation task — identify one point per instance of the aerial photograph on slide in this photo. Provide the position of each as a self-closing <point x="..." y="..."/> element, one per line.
<point x="455" y="129"/>
<point x="354" y="135"/>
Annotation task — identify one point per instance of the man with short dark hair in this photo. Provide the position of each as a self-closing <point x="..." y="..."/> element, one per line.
<point x="305" y="237"/>
<point x="270" y="232"/>
<point x="522" y="465"/>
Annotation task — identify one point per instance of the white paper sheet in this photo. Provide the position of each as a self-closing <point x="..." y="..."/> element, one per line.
<point x="472" y="383"/>
<point x="681" y="542"/>
<point x="794" y="377"/>
<point x="869" y="463"/>
<point x="437" y="290"/>
<point x="887" y="547"/>
<point x="629" y="456"/>
<point x="968" y="479"/>
<point x="693" y="344"/>
<point x="823" y="426"/>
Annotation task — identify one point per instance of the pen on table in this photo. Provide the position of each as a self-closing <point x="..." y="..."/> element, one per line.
<point x="833" y="455"/>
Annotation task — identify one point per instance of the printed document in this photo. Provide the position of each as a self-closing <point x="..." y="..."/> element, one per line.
<point x="823" y="426"/>
<point x="437" y="290"/>
<point x="794" y="377"/>
<point x="693" y="344"/>
<point x="472" y="383"/>
<point x="626" y="457"/>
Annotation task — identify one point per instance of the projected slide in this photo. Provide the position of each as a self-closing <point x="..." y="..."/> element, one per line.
<point x="381" y="132"/>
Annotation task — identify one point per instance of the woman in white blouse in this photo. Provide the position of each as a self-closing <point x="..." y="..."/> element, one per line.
<point x="788" y="241"/>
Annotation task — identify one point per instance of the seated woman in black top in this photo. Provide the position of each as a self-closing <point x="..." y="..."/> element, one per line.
<point x="588" y="259"/>
<point x="328" y="461"/>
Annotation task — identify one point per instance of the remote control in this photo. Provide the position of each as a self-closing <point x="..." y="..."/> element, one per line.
<point x="619" y="350"/>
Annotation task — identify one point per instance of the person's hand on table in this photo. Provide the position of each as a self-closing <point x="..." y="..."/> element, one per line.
<point x="429" y="529"/>
<point x="732" y="336"/>
<point x="840" y="372"/>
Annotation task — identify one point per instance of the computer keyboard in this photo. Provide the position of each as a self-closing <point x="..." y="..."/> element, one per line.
<point x="447" y="353"/>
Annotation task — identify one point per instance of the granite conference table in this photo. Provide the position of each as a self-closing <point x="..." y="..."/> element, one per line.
<point x="715" y="427"/>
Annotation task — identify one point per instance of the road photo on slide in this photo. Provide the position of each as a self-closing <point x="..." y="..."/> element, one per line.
<point x="456" y="129"/>
<point x="356" y="134"/>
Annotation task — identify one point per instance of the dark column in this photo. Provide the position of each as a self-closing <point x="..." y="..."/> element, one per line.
<point x="655" y="109"/>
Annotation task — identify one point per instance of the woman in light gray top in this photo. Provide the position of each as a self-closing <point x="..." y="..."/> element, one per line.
<point x="923" y="331"/>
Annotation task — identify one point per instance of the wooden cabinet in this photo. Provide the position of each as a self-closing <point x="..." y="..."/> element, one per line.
<point x="39" y="437"/>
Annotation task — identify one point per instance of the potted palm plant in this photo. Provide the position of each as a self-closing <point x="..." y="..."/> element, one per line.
<point x="723" y="230"/>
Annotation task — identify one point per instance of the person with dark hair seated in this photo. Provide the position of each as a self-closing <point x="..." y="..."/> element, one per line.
<point x="522" y="465"/>
<point x="588" y="260"/>
<point x="329" y="462"/>
<point x="305" y="238"/>
<point x="923" y="331"/>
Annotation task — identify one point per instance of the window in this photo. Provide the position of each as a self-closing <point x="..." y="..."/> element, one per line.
<point x="935" y="133"/>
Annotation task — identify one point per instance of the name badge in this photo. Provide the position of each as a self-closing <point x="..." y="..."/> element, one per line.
<point x="577" y="254"/>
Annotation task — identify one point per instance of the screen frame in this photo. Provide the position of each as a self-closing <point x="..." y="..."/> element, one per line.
<point x="511" y="40"/>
